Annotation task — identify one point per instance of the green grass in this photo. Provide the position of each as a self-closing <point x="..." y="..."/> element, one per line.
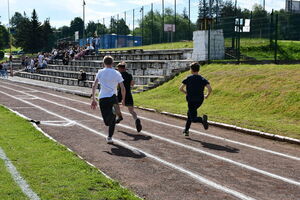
<point x="49" y="168"/>
<point x="175" y="45"/>
<point x="8" y="188"/>
<point x="262" y="97"/>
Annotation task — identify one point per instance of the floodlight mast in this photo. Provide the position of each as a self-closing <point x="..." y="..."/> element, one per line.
<point x="9" y="34"/>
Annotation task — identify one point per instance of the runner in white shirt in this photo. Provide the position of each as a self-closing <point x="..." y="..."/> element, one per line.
<point x="109" y="79"/>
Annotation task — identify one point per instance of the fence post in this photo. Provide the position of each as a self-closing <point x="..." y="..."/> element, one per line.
<point x="208" y="44"/>
<point x="276" y="39"/>
<point x="271" y="29"/>
<point x="152" y="23"/>
<point x="175" y="20"/>
<point x="142" y="25"/>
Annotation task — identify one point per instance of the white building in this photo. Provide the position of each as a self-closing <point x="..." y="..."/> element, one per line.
<point x="292" y="6"/>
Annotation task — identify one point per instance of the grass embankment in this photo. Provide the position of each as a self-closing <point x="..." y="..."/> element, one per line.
<point x="262" y="97"/>
<point x="50" y="169"/>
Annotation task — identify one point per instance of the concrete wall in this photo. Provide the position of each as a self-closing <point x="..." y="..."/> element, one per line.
<point x="217" y="45"/>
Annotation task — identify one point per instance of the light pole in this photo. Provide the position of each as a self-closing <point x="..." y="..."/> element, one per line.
<point x="10" y="56"/>
<point x="83" y="31"/>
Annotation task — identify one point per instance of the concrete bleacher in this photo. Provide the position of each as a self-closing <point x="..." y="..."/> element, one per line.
<point x="147" y="73"/>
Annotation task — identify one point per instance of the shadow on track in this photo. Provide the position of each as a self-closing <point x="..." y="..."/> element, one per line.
<point x="216" y="147"/>
<point x="118" y="150"/>
<point x="136" y="137"/>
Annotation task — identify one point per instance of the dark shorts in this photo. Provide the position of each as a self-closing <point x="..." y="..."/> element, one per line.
<point x="128" y="99"/>
<point x="106" y="108"/>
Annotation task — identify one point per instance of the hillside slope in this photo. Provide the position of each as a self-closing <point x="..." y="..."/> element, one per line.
<point x="262" y="97"/>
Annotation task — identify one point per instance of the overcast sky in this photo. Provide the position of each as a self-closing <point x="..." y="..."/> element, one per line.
<point x="61" y="12"/>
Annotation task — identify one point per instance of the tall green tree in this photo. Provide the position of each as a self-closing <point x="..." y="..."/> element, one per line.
<point x="118" y="27"/>
<point x="77" y="25"/>
<point x="47" y="36"/>
<point x="4" y="37"/>
<point x="35" y="37"/>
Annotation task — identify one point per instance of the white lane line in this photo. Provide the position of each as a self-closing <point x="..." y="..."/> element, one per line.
<point x="181" y="128"/>
<point x="248" y="167"/>
<point x="58" y="123"/>
<point x="17" y="177"/>
<point x="176" y="167"/>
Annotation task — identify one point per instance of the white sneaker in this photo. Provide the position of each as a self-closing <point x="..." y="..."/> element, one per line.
<point x="109" y="140"/>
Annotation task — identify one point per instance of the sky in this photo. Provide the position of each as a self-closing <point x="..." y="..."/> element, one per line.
<point x="61" y="12"/>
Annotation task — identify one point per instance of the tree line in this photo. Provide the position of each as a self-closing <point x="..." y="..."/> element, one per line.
<point x="33" y="36"/>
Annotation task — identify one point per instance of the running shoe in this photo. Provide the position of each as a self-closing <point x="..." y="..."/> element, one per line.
<point x="186" y="133"/>
<point x="204" y="122"/>
<point x="138" y="125"/>
<point x="109" y="140"/>
<point x="119" y="119"/>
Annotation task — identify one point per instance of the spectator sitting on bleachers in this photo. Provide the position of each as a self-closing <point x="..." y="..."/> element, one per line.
<point x="82" y="76"/>
<point x="89" y="49"/>
<point x="66" y="59"/>
<point x="3" y="70"/>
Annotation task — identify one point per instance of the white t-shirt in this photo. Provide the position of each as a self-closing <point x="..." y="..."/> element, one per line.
<point x="41" y="57"/>
<point x="108" y="79"/>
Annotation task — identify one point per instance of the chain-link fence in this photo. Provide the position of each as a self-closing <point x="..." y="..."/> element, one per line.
<point x="249" y="35"/>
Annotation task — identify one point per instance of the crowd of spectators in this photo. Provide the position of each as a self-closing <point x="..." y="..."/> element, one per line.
<point x="63" y="52"/>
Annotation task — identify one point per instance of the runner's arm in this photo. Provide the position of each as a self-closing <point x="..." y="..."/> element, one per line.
<point x="123" y="91"/>
<point x="182" y="88"/>
<point x="94" y="102"/>
<point x="209" y="90"/>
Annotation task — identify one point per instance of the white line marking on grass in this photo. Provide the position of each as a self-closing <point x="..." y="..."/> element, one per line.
<point x="248" y="167"/>
<point x="17" y="177"/>
<point x="176" y="167"/>
<point x="181" y="128"/>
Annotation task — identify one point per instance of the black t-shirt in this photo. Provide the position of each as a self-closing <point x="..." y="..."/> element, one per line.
<point x="195" y="85"/>
<point x="127" y="81"/>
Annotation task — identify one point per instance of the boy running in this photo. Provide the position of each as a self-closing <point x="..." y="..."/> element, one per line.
<point x="193" y="87"/>
<point x="108" y="78"/>
<point x="128" y="83"/>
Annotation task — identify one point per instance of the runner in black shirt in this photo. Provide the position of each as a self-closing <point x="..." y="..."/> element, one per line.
<point x="193" y="86"/>
<point x="128" y="83"/>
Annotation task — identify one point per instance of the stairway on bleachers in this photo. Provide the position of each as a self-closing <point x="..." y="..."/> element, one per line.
<point x="149" y="68"/>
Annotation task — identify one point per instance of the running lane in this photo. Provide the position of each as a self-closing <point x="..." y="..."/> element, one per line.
<point x="266" y="176"/>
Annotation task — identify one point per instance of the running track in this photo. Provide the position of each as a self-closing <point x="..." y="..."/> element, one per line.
<point x="160" y="163"/>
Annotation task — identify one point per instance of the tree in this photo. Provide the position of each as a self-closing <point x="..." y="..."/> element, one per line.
<point x="118" y="27"/>
<point x="22" y="34"/>
<point x="260" y="22"/>
<point x="35" y="37"/>
<point x="47" y="36"/>
<point x="4" y="37"/>
<point x="91" y="29"/>
<point x="77" y="25"/>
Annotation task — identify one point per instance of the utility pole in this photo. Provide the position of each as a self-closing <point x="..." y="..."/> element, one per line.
<point x="189" y="35"/>
<point x="9" y="34"/>
<point x="163" y="21"/>
<point x="83" y="31"/>
<point x="133" y="22"/>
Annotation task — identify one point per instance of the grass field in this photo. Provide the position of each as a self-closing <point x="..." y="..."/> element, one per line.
<point x="262" y="97"/>
<point x="50" y="169"/>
